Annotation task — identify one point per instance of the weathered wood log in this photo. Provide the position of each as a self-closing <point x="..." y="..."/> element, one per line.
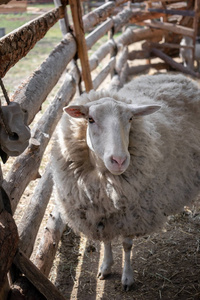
<point x="81" y="43"/>
<point x="26" y="166"/>
<point x="36" y="277"/>
<point x="63" y="22"/>
<point x="34" y="91"/>
<point x="170" y="27"/>
<point x="33" y="215"/>
<point x="131" y="36"/>
<point x="44" y="256"/>
<point x="101" y="53"/>
<point x="98" y="33"/>
<point x="122" y="65"/>
<point x="8" y="244"/>
<point x="49" y="243"/>
<point x="116" y="23"/>
<point x="174" y="64"/>
<point x="104" y="73"/>
<point x="122" y="18"/>
<point x="18" y="43"/>
<point x="122" y="60"/>
<point x="100" y="14"/>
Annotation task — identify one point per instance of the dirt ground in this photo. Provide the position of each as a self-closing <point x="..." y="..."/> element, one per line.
<point x="166" y="264"/>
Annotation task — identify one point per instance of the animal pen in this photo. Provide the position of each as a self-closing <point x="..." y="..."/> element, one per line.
<point x="125" y="24"/>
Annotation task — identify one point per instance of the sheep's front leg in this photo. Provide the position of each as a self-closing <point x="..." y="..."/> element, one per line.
<point x="105" y="268"/>
<point x="127" y="275"/>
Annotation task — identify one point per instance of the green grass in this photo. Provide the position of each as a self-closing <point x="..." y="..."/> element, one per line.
<point x="12" y="21"/>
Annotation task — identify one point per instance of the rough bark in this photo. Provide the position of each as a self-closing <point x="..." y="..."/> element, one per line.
<point x="33" y="215"/>
<point x="49" y="243"/>
<point x="100" y="14"/>
<point x="25" y="167"/>
<point x="18" y="43"/>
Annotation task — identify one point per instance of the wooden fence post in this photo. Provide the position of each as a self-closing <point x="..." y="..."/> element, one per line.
<point x="81" y="43"/>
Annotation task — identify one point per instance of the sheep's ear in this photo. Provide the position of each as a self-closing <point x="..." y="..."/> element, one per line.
<point x="76" y="111"/>
<point x="145" y="110"/>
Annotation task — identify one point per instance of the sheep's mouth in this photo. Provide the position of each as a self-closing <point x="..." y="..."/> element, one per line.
<point x="115" y="170"/>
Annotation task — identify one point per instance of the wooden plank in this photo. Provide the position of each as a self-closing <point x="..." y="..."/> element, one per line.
<point x="41" y="282"/>
<point x="81" y="43"/>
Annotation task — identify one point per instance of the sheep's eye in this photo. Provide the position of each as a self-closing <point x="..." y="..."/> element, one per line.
<point x="91" y="120"/>
<point x="130" y="119"/>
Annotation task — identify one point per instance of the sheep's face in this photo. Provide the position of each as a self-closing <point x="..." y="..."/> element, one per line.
<point x="109" y="123"/>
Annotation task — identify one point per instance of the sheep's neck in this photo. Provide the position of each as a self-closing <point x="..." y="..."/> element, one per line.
<point x="96" y="162"/>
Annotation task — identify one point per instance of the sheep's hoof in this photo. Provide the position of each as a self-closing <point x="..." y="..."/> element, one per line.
<point x="127" y="281"/>
<point x="105" y="269"/>
<point x="127" y="287"/>
<point x="102" y="275"/>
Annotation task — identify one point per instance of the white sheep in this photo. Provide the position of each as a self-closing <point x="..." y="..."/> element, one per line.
<point x="120" y="169"/>
<point x="186" y="53"/>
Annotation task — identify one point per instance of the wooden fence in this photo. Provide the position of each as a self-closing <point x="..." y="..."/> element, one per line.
<point x="160" y="39"/>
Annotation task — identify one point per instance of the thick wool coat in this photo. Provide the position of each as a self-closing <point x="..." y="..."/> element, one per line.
<point x="164" y="170"/>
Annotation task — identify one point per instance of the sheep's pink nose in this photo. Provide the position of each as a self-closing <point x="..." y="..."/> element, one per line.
<point x="118" y="160"/>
